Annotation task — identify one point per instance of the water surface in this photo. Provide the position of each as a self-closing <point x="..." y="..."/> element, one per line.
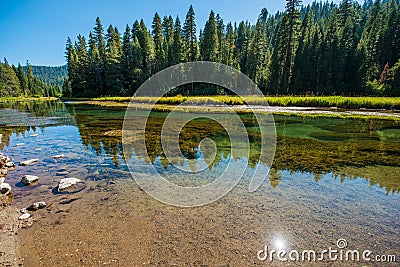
<point x="330" y="179"/>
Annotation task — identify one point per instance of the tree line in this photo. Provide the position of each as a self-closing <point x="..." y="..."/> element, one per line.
<point x="54" y="75"/>
<point x="15" y="81"/>
<point x="318" y="49"/>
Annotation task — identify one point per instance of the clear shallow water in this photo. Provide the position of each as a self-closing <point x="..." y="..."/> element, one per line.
<point x="331" y="178"/>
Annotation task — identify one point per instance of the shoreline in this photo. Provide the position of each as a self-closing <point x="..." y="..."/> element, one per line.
<point x="9" y="223"/>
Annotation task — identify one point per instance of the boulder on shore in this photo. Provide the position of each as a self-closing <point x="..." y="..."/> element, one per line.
<point x="28" y="162"/>
<point x="37" y="205"/>
<point x="3" y="172"/>
<point x="29" y="179"/>
<point x="4" y="159"/>
<point x="67" y="183"/>
<point x="10" y="164"/>
<point x="5" y="188"/>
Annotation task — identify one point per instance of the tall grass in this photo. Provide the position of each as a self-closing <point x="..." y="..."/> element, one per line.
<point x="30" y="98"/>
<point x="286" y="101"/>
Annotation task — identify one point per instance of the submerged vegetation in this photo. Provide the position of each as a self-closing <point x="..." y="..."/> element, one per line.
<point x="322" y="145"/>
<point x="344" y="148"/>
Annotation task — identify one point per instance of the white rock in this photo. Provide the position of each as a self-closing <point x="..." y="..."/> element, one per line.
<point x="29" y="179"/>
<point x="24" y="216"/>
<point x="28" y="162"/>
<point x="3" y="172"/>
<point x="37" y="205"/>
<point x="10" y="164"/>
<point x="68" y="182"/>
<point x="41" y="204"/>
<point x="4" y="158"/>
<point x="5" y="188"/>
<point x="57" y="156"/>
<point x="34" y="135"/>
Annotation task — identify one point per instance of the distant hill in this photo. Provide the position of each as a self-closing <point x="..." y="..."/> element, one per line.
<point x="52" y="75"/>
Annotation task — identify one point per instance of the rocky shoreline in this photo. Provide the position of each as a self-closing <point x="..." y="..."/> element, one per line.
<point x="9" y="223"/>
<point x="12" y="218"/>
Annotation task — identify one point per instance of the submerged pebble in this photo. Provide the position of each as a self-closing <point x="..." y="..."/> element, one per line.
<point x="10" y="164"/>
<point x="67" y="183"/>
<point x="37" y="205"/>
<point x="24" y="216"/>
<point x="29" y="179"/>
<point x="57" y="156"/>
<point x="28" y="162"/>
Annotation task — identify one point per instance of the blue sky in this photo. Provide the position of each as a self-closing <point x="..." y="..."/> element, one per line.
<point x="36" y="30"/>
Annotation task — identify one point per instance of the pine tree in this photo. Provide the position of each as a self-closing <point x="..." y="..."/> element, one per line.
<point x="190" y="39"/>
<point x="66" y="88"/>
<point x="9" y="83"/>
<point x="126" y="60"/>
<point x="241" y="45"/>
<point x="209" y="47"/>
<point x="157" y="31"/>
<point x="138" y="74"/>
<point x="348" y="63"/>
<point x="345" y="12"/>
<point x="168" y="32"/>
<point x="177" y="50"/>
<point x="113" y="75"/>
<point x="23" y="80"/>
<point x="221" y="56"/>
<point x="230" y="47"/>
<point x="147" y="47"/>
<point x="371" y="41"/>
<point x="94" y="62"/>
<point x="304" y="64"/>
<point x="82" y="66"/>
<point x="285" y="47"/>
<point x="258" y="56"/>
<point x="101" y="47"/>
<point x="263" y="17"/>
<point x="329" y="65"/>
<point x="390" y="35"/>
<point x="31" y="81"/>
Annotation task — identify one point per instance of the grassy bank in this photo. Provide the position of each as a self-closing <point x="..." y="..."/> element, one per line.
<point x="285" y="101"/>
<point x="21" y="98"/>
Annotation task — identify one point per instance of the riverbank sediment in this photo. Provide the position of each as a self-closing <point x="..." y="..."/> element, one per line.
<point x="8" y="217"/>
